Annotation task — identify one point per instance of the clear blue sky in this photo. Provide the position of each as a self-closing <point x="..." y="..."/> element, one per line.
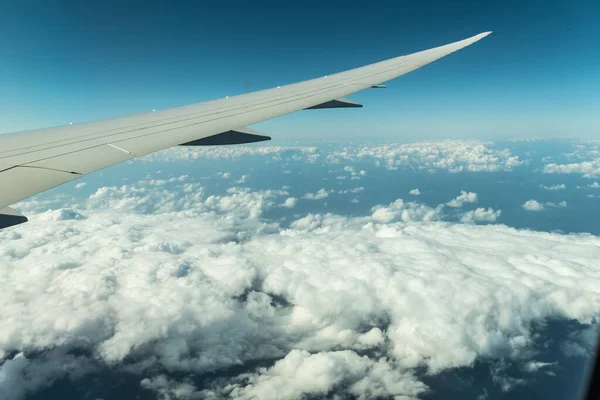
<point x="65" y="61"/>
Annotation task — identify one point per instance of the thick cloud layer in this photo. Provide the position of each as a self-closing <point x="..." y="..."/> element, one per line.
<point x="157" y="282"/>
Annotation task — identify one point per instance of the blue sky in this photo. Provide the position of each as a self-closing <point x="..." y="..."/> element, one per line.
<point x="535" y="76"/>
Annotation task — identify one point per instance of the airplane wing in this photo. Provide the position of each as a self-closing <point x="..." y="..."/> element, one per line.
<point x="34" y="161"/>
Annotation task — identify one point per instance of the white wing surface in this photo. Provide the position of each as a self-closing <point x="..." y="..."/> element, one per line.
<point x="34" y="161"/>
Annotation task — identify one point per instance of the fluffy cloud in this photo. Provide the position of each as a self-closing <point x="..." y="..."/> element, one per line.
<point x="415" y="192"/>
<point x="233" y="153"/>
<point x="165" y="282"/>
<point x="534" y="205"/>
<point x="402" y="211"/>
<point x="585" y="157"/>
<point x="595" y="185"/>
<point x="480" y="215"/>
<point x="301" y="373"/>
<point x="450" y="155"/>
<point x="589" y="169"/>
<point x="290" y="202"/>
<point x="170" y="389"/>
<point x="321" y="194"/>
<point x="463" y="197"/>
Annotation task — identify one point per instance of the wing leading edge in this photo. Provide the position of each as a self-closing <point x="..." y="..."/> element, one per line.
<point x="34" y="161"/>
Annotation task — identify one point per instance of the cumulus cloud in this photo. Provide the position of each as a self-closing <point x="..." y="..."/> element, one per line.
<point x="402" y="211"/>
<point x="534" y="205"/>
<point x="290" y="202"/>
<point x="450" y="155"/>
<point x="301" y="373"/>
<point x="415" y="192"/>
<point x="169" y="389"/>
<point x="554" y="187"/>
<point x="242" y="179"/>
<point x="463" y="197"/>
<point x="321" y="194"/>
<point x="595" y="185"/>
<point x="167" y="283"/>
<point x="589" y="169"/>
<point x="481" y="215"/>
<point x="80" y="185"/>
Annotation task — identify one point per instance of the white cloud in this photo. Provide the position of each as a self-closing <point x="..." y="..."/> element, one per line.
<point x="157" y="281"/>
<point x="481" y="215"/>
<point x="225" y="175"/>
<point x="242" y="179"/>
<point x="321" y="194"/>
<point x="290" y="202"/>
<point x="80" y="185"/>
<point x="401" y="211"/>
<point x="595" y="185"/>
<point x="450" y="155"/>
<point x="533" y="205"/>
<point x="310" y="154"/>
<point x="588" y="169"/>
<point x="535" y="366"/>
<point x="170" y="389"/>
<point x="355" y="190"/>
<point x="554" y="187"/>
<point x="301" y="373"/>
<point x="464" y="197"/>
<point x="415" y="192"/>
